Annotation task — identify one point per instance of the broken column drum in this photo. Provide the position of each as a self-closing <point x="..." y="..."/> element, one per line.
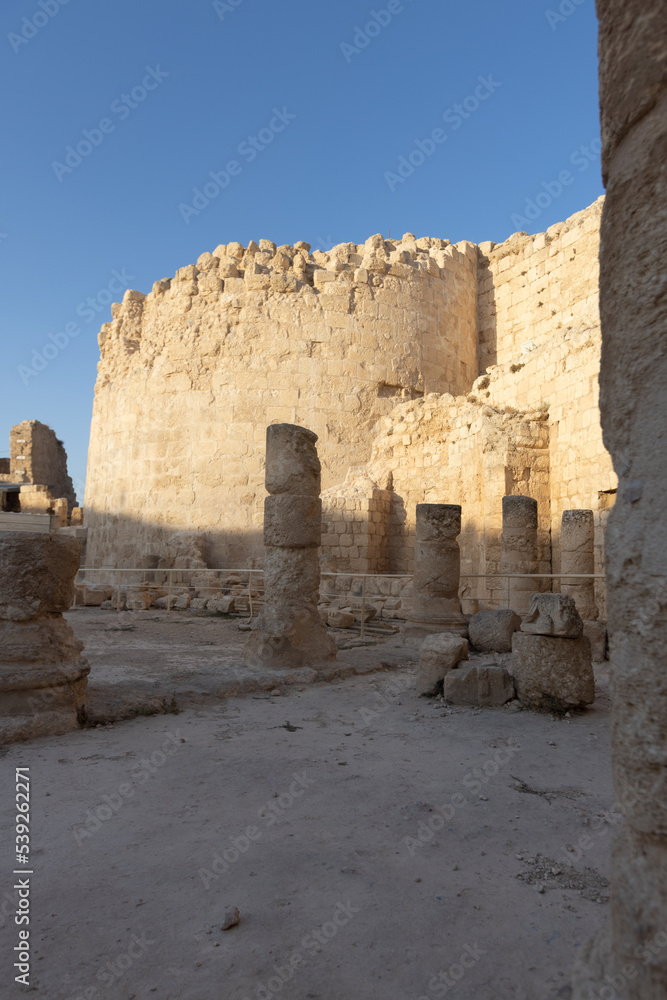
<point x="577" y="556"/>
<point x="289" y="631"/>
<point x="43" y="676"/>
<point x="437" y="572"/>
<point x="518" y="548"/>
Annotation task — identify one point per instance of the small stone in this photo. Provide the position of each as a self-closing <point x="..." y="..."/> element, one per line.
<point x="232" y="918"/>
<point x="276" y="693"/>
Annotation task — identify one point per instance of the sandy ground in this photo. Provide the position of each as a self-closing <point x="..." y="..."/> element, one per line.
<point x="377" y="845"/>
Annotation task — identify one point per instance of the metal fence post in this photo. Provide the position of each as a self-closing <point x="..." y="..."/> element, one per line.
<point x="250" y="593"/>
<point x="118" y="598"/>
<point x="171" y="582"/>
<point x="363" y="604"/>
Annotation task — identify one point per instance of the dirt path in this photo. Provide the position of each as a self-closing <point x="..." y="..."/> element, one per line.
<point x="413" y="841"/>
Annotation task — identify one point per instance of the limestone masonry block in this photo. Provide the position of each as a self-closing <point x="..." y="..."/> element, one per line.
<point x="37" y="575"/>
<point x="478" y="684"/>
<point x="43" y="676"/>
<point x="490" y="631"/>
<point x="551" y="673"/>
<point x="553" y="614"/>
<point x="438" y="655"/>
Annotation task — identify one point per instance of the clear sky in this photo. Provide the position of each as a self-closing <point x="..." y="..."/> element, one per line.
<point x="326" y="122"/>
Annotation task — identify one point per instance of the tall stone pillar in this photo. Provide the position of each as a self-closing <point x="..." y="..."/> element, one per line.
<point x="436" y="606"/>
<point x="577" y="556"/>
<point x="518" y="549"/>
<point x="43" y="676"/>
<point x="633" y="403"/>
<point x="289" y="632"/>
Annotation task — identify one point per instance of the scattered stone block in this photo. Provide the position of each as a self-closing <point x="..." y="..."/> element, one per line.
<point x="553" y="614"/>
<point x="552" y="673"/>
<point x="369" y="613"/>
<point x="478" y="684"/>
<point x="182" y="602"/>
<point x="438" y="655"/>
<point x="223" y="603"/>
<point x="138" y="600"/>
<point x="340" y="619"/>
<point x="198" y="603"/>
<point x="490" y="631"/>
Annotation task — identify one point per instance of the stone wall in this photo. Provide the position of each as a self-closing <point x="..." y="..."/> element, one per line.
<point x="539" y="317"/>
<point x="442" y="449"/>
<point x="361" y="344"/>
<point x="192" y="373"/>
<point x="38" y="460"/>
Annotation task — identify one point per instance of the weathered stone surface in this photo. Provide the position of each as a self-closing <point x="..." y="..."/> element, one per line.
<point x="292" y="521"/>
<point x="289" y="630"/>
<point x="224" y="603"/>
<point x="138" y="600"/>
<point x="435" y="599"/>
<point x="491" y="631"/>
<point x="519" y="548"/>
<point x="340" y="619"/>
<point x="478" y="684"/>
<point x="552" y="673"/>
<point x="438" y="655"/>
<point x="292" y="465"/>
<point x="577" y="555"/>
<point x="553" y="614"/>
<point x="633" y="403"/>
<point x="42" y="673"/>
<point x="36" y="574"/>
<point x="94" y="595"/>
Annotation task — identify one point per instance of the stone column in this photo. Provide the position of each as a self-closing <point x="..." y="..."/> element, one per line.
<point x="518" y="549"/>
<point x="435" y="605"/>
<point x="289" y="632"/>
<point x="633" y="403"/>
<point x="577" y="556"/>
<point x="43" y="676"/>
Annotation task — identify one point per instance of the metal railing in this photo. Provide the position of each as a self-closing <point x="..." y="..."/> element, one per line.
<point x="249" y="572"/>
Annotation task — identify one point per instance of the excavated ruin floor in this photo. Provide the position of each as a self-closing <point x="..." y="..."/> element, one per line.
<point x="141" y="838"/>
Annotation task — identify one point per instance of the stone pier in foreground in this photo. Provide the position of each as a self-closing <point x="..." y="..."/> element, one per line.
<point x="577" y="556"/>
<point x="43" y="676"/>
<point x="289" y="632"/>
<point x="518" y="548"/>
<point x="436" y="606"/>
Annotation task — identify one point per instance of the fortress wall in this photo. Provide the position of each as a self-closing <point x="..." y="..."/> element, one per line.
<point x="445" y="450"/>
<point x="555" y="272"/>
<point x="37" y="456"/>
<point x="532" y="286"/>
<point x="191" y="374"/>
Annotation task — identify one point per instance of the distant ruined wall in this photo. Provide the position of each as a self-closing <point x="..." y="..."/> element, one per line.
<point x="38" y="457"/>
<point x="448" y="374"/>
<point x="539" y="306"/>
<point x="191" y="374"/>
<point x="445" y="450"/>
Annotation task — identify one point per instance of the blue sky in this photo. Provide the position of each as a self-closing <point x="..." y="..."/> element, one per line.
<point x="305" y="111"/>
